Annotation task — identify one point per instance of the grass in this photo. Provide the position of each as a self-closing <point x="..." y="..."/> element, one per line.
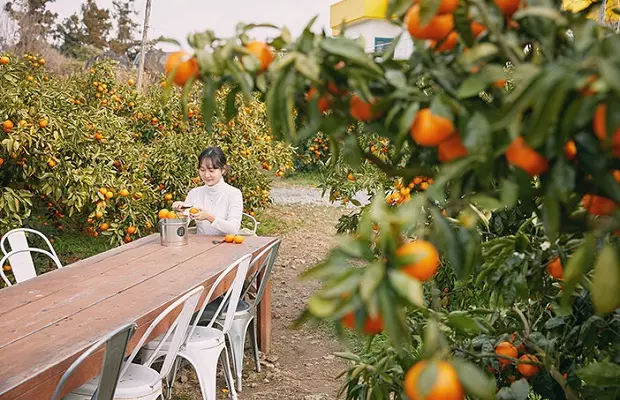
<point x="73" y="246"/>
<point x="311" y="178"/>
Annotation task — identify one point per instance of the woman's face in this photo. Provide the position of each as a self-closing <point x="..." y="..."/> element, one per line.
<point x="210" y="175"/>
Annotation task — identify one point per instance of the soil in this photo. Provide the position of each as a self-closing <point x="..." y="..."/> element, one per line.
<point x="301" y="364"/>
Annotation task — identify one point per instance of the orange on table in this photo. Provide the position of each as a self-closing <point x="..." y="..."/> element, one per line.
<point x="238" y="239"/>
<point x="229" y="238"/>
<point x="194" y="210"/>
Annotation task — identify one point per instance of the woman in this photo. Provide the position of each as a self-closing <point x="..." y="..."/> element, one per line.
<point x="219" y="205"/>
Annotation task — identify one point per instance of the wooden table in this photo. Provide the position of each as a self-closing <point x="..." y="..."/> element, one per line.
<point x="46" y="322"/>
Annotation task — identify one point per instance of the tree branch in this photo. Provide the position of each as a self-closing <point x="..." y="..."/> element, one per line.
<point x="526" y="325"/>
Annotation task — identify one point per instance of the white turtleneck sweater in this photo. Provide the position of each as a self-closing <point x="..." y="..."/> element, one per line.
<point x="224" y="202"/>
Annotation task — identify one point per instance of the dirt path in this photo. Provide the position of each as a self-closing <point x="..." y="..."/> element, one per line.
<point x="301" y="364"/>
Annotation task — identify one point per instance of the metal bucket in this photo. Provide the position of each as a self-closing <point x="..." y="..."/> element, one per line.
<point x="174" y="232"/>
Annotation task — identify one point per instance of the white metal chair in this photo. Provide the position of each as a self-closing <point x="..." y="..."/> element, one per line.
<point x="254" y="222"/>
<point x="140" y="382"/>
<point x="18" y="269"/>
<point x="115" y="347"/>
<point x="22" y="263"/>
<point x="203" y="345"/>
<point x="245" y="313"/>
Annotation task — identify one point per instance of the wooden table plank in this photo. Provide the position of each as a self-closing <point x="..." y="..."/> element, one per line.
<point x="33" y="361"/>
<point x="60" y="304"/>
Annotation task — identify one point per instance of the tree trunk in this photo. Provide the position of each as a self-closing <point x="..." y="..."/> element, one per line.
<point x="147" y="16"/>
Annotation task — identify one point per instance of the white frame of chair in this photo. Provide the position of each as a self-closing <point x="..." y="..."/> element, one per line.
<point x="242" y="265"/>
<point x="12" y="253"/>
<point x="26" y="269"/>
<point x="115" y="345"/>
<point x="245" y="318"/>
<point x="256" y="223"/>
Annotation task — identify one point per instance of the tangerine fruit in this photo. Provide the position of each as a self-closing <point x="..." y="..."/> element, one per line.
<point x="361" y="110"/>
<point x="446" y="386"/>
<point x="598" y="205"/>
<point x="324" y="101"/>
<point x="426" y="259"/>
<point x="163" y="213"/>
<point x="437" y="28"/>
<point x="523" y="156"/>
<point x="555" y="268"/>
<point x="262" y="51"/>
<point x="229" y="238"/>
<point x="508" y="7"/>
<point x="528" y="370"/>
<point x="8" y="125"/>
<point x="506" y="349"/>
<point x="430" y="130"/>
<point x="184" y="65"/>
<point x="451" y="149"/>
<point x="599" y="125"/>
<point x="124" y="193"/>
<point x="372" y="325"/>
<point x="570" y="150"/>
<point x="131" y="230"/>
<point x="238" y="239"/>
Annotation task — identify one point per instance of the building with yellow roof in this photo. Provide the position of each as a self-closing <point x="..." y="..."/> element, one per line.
<point x="365" y="19"/>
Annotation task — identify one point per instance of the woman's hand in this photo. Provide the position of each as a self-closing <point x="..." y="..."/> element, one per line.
<point x="203" y="215"/>
<point x="177" y="205"/>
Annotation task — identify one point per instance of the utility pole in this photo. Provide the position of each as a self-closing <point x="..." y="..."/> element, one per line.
<point x="147" y="16"/>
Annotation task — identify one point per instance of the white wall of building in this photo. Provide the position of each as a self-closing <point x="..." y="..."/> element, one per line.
<point x="375" y="28"/>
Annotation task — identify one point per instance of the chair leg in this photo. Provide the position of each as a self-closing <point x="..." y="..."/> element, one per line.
<point x="236" y="338"/>
<point x="205" y="365"/>
<point x="254" y="340"/>
<point x="172" y="376"/>
<point x="228" y="375"/>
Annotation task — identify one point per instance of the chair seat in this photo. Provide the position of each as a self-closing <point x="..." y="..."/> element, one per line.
<point x="202" y="338"/>
<point x="242" y="309"/>
<point x="138" y="381"/>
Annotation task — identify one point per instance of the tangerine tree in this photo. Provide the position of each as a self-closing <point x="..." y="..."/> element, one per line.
<point x="509" y="112"/>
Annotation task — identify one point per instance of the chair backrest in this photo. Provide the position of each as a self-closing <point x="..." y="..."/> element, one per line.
<point x="115" y="347"/>
<point x="261" y="275"/>
<point x="178" y="330"/>
<point x="254" y="221"/>
<point x="22" y="263"/>
<point x="16" y="267"/>
<point x="230" y="298"/>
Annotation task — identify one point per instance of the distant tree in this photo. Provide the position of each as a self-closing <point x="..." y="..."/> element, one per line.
<point x="97" y="25"/>
<point x="70" y="36"/>
<point x="126" y="28"/>
<point x="35" y="22"/>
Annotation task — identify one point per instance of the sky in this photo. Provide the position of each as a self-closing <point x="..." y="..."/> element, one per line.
<point x="177" y="18"/>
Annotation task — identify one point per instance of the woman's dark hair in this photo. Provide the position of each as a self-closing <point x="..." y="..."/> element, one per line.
<point x="215" y="158"/>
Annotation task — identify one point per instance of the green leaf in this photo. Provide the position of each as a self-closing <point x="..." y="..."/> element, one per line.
<point x="599" y="374"/>
<point x="371" y="280"/>
<point x="464" y="323"/>
<point x="431" y="337"/>
<point x="478" y="53"/>
<point x="321" y="307"/>
<point x="475" y="382"/>
<point x="477" y="137"/>
<point x="476" y="83"/>
<point x="351" y="152"/>
<point x="347" y="48"/>
<point x="308" y="67"/>
<point x="551" y="217"/>
<point x="544" y="12"/>
<point x="579" y="263"/>
<point x="208" y="103"/>
<point x="407" y="287"/>
<point x="606" y="281"/>
<point x="428" y="9"/>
